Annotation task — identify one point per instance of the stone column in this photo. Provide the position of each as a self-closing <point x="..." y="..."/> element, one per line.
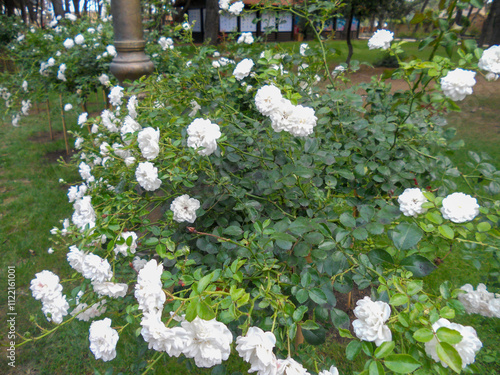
<point x="131" y="62"/>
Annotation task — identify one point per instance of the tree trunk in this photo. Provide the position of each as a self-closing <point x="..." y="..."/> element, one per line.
<point x="372" y="23"/>
<point x="67" y="6"/>
<point x="348" y="38"/>
<point x="212" y="21"/>
<point x="58" y="8"/>
<point x="489" y="23"/>
<point x="495" y="35"/>
<point x="76" y="4"/>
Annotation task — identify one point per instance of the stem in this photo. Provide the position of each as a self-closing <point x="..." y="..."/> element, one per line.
<point x="153" y="363"/>
<point x="64" y="125"/>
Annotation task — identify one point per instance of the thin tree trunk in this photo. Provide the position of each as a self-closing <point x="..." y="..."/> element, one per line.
<point x="348" y="39"/>
<point x="58" y="8"/>
<point x="64" y="125"/>
<point x="212" y="21"/>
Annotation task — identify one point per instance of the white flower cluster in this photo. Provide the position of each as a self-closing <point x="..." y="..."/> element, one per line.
<point x="466" y="348"/>
<point x="184" y="208"/>
<point x="295" y="119"/>
<point x="490" y="61"/>
<point x="235" y="8"/>
<point x="459" y="208"/>
<point x="246" y="38"/>
<point x="203" y="136"/>
<point x="147" y="176"/>
<point x="84" y="213"/>
<point x="76" y="192"/>
<point x="82" y="118"/>
<point x="243" y="69"/>
<point x="166" y="43"/>
<point x="84" y="313"/>
<point x="458" y="83"/>
<point x="303" y="49"/>
<point x="115" y="96"/>
<point x="381" y="39"/>
<point x="148" y="290"/>
<point x="103" y="339"/>
<point x="223" y="61"/>
<point x="480" y="301"/>
<point x="371" y="318"/>
<point x="148" y="140"/>
<point x="61" y="71"/>
<point x="256" y="348"/>
<point x="25" y="107"/>
<point x="104" y="79"/>
<point x="411" y="201"/>
<point x="132" y="106"/>
<point x="68" y="43"/>
<point x="79" y="39"/>
<point x="45" y="287"/>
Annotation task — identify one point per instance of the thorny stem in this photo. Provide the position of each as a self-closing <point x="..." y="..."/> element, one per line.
<point x="153" y="363"/>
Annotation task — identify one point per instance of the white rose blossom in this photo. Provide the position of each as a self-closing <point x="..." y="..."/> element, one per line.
<point x="84" y="213"/>
<point x="76" y="258"/>
<point x="148" y="139"/>
<point x="82" y="119"/>
<point x="208" y="342"/>
<point x="236" y="8"/>
<point x="490" y="60"/>
<point x="68" y="43"/>
<point x="109" y="289"/>
<point x="332" y="371"/>
<point x="479" y="301"/>
<point x="256" y="348"/>
<point x="381" y="39"/>
<point x="85" y="313"/>
<point x="203" y="133"/>
<point x="243" y="69"/>
<point x="290" y="366"/>
<point x="147" y="176"/>
<point x="268" y="99"/>
<point x="103" y="339"/>
<point x="132" y="106"/>
<point x="166" y="43"/>
<point x="411" y="201"/>
<point x="459" y="208"/>
<point x="115" y="96"/>
<point x="111" y="50"/>
<point x="46" y="288"/>
<point x="246" y="38"/>
<point x="371" y="318"/>
<point x="96" y="269"/>
<point x="184" y="208"/>
<point x="303" y="48"/>
<point x="466" y="348"/>
<point x="68" y="107"/>
<point x="458" y="83"/>
<point x="148" y="289"/>
<point x="79" y="39"/>
<point x="104" y="79"/>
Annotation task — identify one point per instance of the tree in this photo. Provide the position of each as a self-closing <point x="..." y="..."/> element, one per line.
<point x="58" y="8"/>
<point x="490" y="34"/>
<point x="212" y="21"/>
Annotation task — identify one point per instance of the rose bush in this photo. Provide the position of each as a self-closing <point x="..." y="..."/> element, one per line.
<point x="235" y="214"/>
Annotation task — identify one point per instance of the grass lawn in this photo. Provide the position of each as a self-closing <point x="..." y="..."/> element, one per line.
<point x="32" y="201"/>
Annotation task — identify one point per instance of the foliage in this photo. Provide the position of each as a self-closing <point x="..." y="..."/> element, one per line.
<point x="286" y="223"/>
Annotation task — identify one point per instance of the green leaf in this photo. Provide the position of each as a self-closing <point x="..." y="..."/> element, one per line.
<point x="414" y="287"/>
<point x="423" y="335"/>
<point x="406" y="236"/>
<point x="339" y="318"/>
<point x="483" y="227"/>
<point x="298" y="314"/>
<point x="309" y="325"/>
<point x="384" y="349"/>
<point x="449" y="355"/>
<point x="376" y="368"/>
<point x="352" y="349"/>
<point x="419" y="265"/>
<point x="315" y="337"/>
<point x="401" y="363"/>
<point x="233" y="230"/>
<point x="434" y="217"/>
<point x="448" y="335"/>
<point x="446" y="231"/>
<point x="379" y="256"/>
<point x="203" y="283"/>
<point x="302" y="295"/>
<point x="318" y="296"/>
<point x="348" y="220"/>
<point x="398" y="299"/>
